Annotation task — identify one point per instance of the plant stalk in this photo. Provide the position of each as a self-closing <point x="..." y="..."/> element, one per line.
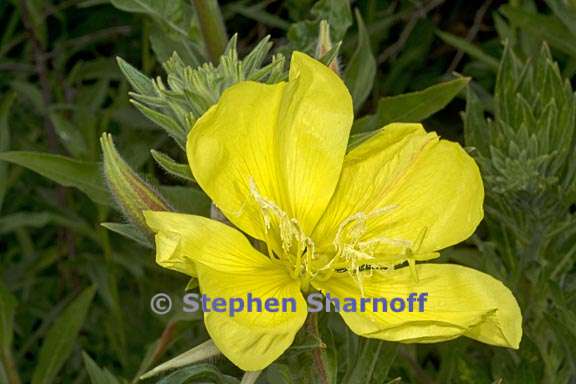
<point x="212" y="27"/>
<point x="319" y="363"/>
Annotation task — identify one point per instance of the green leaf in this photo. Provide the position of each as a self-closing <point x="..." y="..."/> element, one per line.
<point x="279" y="374"/>
<point x="565" y="11"/>
<point x="70" y="135"/>
<point x="97" y="375"/>
<point x="169" y="124"/>
<point x="545" y="27"/>
<point x="61" y="338"/>
<point x="372" y="362"/>
<point x="361" y="69"/>
<point x="84" y="175"/>
<point x="412" y="107"/>
<point x="200" y="352"/>
<point x="38" y="219"/>
<point x="187" y="199"/>
<point x="469" y="48"/>
<point x="31" y="92"/>
<point x="174" y="27"/>
<point x="7" y="308"/>
<point x="257" y="12"/>
<point x="202" y="372"/>
<point x="139" y="81"/>
<point x="172" y="167"/>
<point x="5" y="105"/>
<point x="304" y="34"/>
<point x="129" y="231"/>
<point x="476" y="132"/>
<point x="164" y="11"/>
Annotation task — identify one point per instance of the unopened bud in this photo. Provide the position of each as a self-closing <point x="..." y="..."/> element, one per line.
<point x="130" y="191"/>
<point x="325" y="45"/>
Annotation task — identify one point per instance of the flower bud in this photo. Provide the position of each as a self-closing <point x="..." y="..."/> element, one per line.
<point x="130" y="191"/>
<point x="325" y="45"/>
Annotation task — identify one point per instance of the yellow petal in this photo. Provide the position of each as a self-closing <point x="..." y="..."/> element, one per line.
<point x="253" y="340"/>
<point x="228" y="267"/>
<point x="409" y="187"/>
<point x="287" y="139"/>
<point x="460" y="302"/>
<point x="184" y="240"/>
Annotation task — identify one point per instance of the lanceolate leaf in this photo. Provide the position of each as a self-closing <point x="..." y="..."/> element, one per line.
<point x="84" y="175"/>
<point x="5" y="105"/>
<point x="139" y="81"/>
<point x="361" y="69"/>
<point x="547" y="28"/>
<point x="469" y="48"/>
<point x="97" y="375"/>
<point x="61" y="338"/>
<point x="129" y="231"/>
<point x="171" y="166"/>
<point x="7" y="306"/>
<point x="201" y="373"/>
<point x="412" y="107"/>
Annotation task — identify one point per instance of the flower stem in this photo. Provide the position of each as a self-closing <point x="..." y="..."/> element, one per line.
<point x="319" y="362"/>
<point x="212" y="27"/>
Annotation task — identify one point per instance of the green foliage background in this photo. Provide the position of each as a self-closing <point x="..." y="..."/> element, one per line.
<point x="74" y="294"/>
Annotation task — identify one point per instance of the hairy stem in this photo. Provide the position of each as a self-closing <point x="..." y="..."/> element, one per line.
<point x="319" y="363"/>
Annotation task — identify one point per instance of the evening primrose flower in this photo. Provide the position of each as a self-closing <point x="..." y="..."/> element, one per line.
<point x="273" y="159"/>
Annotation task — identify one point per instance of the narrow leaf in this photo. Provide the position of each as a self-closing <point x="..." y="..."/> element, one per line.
<point x="201" y="352"/>
<point x="97" y="375"/>
<point x="166" y="122"/>
<point x="61" y="338"/>
<point x="412" y="107"/>
<point x="469" y="48"/>
<point x="139" y="81"/>
<point x="361" y="69"/>
<point x="5" y="105"/>
<point x="202" y="373"/>
<point x="545" y="27"/>
<point x="84" y="175"/>
<point x="7" y="310"/>
<point x="129" y="231"/>
<point x="7" y="307"/>
<point x="171" y="166"/>
<point x="69" y="135"/>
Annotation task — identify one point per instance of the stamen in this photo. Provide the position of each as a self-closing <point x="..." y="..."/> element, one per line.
<point x="294" y="242"/>
<point x="354" y="252"/>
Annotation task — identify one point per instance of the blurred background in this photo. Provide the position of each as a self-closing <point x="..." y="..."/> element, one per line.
<point x="74" y="293"/>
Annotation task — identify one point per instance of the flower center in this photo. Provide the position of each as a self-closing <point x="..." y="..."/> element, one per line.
<point x="355" y="252"/>
<point x="285" y="239"/>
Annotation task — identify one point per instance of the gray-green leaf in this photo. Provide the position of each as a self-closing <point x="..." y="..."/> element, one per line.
<point x="171" y="166"/>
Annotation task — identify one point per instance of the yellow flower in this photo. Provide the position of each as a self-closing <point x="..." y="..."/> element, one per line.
<point x="273" y="159"/>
